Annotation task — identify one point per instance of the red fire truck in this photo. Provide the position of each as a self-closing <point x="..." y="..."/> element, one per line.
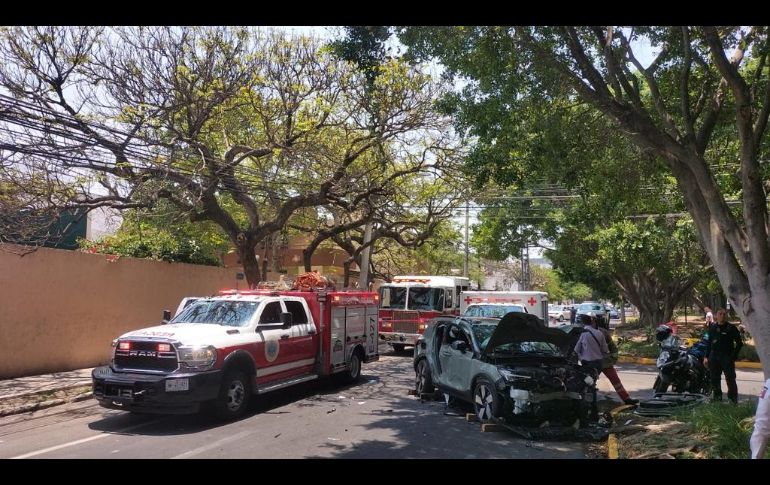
<point x="220" y="351"/>
<point x="408" y="302"/>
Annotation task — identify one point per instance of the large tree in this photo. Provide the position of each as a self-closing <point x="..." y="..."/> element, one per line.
<point x="236" y="127"/>
<point x="705" y="91"/>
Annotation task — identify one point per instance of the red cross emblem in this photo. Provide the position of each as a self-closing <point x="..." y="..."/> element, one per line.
<point x="468" y="299"/>
<point x="531" y="301"/>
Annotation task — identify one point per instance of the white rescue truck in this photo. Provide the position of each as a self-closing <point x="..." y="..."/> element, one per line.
<point x="484" y="303"/>
<point x="220" y="351"/>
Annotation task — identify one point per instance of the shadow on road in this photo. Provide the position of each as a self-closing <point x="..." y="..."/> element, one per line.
<point x="317" y="393"/>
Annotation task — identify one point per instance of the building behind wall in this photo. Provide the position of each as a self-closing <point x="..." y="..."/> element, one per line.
<point x="287" y="260"/>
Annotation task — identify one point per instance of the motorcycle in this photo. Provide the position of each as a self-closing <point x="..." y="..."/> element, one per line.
<point x="680" y="367"/>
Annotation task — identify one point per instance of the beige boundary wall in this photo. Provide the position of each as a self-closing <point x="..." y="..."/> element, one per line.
<point x="59" y="310"/>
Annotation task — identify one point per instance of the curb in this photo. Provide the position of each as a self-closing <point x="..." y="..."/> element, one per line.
<point x="625" y="359"/>
<point x="612" y="440"/>
<point x="25" y="408"/>
<point x="43" y="391"/>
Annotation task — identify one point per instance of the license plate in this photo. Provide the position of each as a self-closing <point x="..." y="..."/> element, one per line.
<point x="177" y="385"/>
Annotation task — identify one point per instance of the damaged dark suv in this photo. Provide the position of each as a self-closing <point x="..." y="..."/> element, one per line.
<point x="512" y="370"/>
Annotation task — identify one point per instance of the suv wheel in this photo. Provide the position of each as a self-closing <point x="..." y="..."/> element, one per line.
<point x="486" y="400"/>
<point x="423" y="383"/>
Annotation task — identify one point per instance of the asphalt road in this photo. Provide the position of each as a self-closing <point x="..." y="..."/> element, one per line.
<point x="373" y="419"/>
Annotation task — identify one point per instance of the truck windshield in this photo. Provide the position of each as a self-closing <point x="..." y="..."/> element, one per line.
<point x="426" y="298"/>
<point x="392" y="297"/>
<point x="218" y="312"/>
<point x="493" y="311"/>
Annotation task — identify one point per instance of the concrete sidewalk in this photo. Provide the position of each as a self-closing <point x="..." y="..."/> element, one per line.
<point x="24" y="394"/>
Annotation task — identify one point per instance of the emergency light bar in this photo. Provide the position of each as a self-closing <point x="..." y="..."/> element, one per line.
<point x="411" y="280"/>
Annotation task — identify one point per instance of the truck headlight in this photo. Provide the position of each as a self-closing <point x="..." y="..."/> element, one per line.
<point x="197" y="357"/>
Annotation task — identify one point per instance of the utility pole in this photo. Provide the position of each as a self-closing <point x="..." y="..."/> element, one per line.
<point x="465" y="266"/>
<point x="363" y="279"/>
<point x="525" y="267"/>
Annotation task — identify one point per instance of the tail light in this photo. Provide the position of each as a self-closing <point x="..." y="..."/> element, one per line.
<point x="124" y="345"/>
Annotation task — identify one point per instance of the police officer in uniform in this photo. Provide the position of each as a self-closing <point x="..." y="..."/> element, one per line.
<point x="722" y="349"/>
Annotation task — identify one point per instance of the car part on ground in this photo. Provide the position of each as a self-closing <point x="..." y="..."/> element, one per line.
<point x="592" y="432"/>
<point x="667" y="403"/>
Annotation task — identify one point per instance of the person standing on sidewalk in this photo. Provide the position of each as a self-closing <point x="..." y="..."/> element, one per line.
<point x="608" y="368"/>
<point x="591" y="349"/>
<point x="722" y="349"/>
<point x="761" y="434"/>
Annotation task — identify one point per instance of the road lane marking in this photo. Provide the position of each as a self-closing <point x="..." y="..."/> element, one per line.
<point x="84" y="440"/>
<point x="213" y="445"/>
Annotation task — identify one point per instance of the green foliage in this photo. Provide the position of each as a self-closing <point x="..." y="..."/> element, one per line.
<point x="533" y="132"/>
<point x="163" y="236"/>
<point x="364" y="45"/>
<point x="160" y="246"/>
<point x="576" y="291"/>
<point x="727" y="426"/>
<point x="748" y="353"/>
<point x="633" y="348"/>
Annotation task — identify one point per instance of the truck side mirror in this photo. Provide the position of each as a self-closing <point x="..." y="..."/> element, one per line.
<point x="166" y="316"/>
<point x="286" y="319"/>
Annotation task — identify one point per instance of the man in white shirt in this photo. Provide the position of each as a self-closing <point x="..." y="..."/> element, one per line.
<point x="591" y="348"/>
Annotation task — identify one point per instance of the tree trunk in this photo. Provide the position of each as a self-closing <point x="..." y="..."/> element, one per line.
<point x="246" y="251"/>
<point x="307" y="256"/>
<point x="756" y="320"/>
<point x="346" y="265"/>
<point x="264" y="256"/>
<point x="622" y="310"/>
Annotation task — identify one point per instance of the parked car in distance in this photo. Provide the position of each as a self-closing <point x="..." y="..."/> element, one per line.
<point x="614" y="313"/>
<point x="512" y="369"/>
<point x="559" y="312"/>
<point x="596" y="309"/>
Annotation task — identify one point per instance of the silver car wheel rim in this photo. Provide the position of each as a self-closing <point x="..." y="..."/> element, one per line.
<point x="420" y="384"/>
<point x="355" y="366"/>
<point x="483" y="402"/>
<point x="235" y="395"/>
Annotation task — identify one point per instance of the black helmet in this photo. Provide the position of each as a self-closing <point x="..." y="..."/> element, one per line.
<point x="662" y="333"/>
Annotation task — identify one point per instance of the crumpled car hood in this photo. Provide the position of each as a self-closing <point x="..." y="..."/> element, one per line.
<point x="525" y="327"/>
